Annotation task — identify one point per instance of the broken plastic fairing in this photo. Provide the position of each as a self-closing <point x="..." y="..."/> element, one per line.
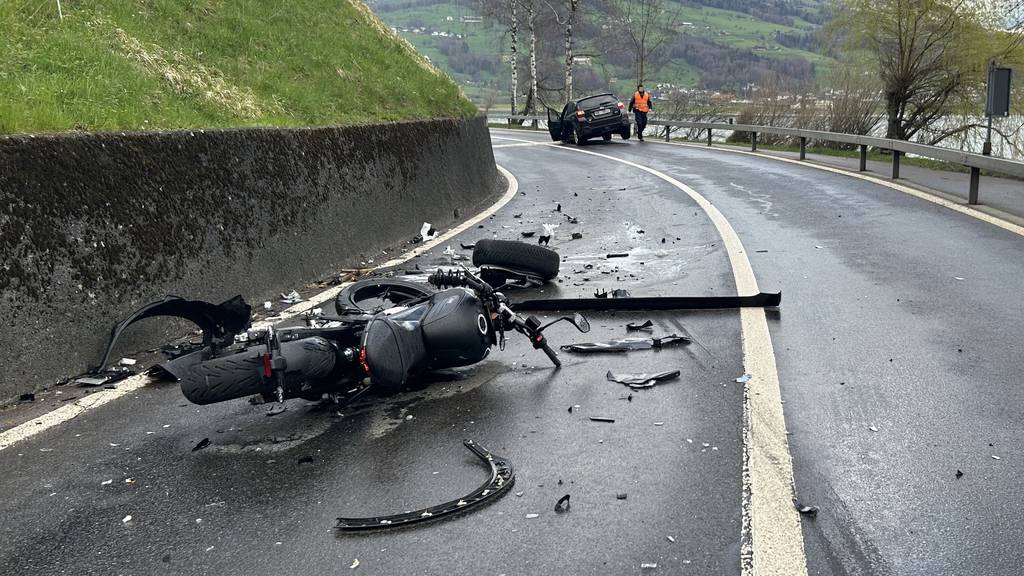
<point x="502" y="478"/>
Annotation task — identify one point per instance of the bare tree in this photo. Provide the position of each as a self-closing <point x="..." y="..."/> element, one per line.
<point x="645" y="26"/>
<point x="852" y="103"/>
<point x="568" y="20"/>
<point x="920" y="48"/>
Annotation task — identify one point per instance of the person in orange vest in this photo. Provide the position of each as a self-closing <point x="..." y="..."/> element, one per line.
<point x="640" y="104"/>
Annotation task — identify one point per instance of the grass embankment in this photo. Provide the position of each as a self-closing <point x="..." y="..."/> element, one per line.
<point x="165" y="64"/>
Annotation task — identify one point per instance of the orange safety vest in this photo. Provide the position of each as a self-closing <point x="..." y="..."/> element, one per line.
<point x="641" y="103"/>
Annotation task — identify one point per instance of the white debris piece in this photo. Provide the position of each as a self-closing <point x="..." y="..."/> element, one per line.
<point x="291" y="297"/>
<point x="355" y="564"/>
<point x="128" y="361"/>
<point x="268" y="305"/>
<point x="425" y="231"/>
<point x="107" y="482"/>
<point x="670" y="539"/>
<point x="531" y="516"/>
<point x="648" y="566"/>
<point x="126" y="519"/>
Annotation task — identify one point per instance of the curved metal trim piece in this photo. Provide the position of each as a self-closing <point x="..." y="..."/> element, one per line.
<point x="502" y="478"/>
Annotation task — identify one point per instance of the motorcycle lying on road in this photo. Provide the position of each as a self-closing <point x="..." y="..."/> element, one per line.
<point x="423" y="331"/>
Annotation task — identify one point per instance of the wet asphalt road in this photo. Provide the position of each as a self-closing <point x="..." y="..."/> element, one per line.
<point x="875" y="331"/>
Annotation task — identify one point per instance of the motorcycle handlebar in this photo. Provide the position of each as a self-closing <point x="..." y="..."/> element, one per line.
<point x="551" y="354"/>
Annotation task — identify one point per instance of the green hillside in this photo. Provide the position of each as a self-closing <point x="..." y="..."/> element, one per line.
<point x="161" y="64"/>
<point x="720" y="44"/>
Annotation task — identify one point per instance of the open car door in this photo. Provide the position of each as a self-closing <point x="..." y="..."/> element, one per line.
<point x="555" y="124"/>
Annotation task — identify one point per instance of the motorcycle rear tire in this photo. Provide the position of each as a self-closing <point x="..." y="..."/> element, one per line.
<point x="519" y="256"/>
<point x="348" y="300"/>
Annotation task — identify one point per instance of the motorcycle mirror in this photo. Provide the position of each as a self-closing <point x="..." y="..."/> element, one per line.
<point x="581" y="322"/>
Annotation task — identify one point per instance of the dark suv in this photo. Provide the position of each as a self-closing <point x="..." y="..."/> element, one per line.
<point x="591" y="117"/>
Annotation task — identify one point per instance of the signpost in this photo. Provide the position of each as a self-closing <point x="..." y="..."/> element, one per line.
<point x="998" y="102"/>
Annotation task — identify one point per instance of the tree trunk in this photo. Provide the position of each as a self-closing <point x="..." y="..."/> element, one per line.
<point x="573" y="5"/>
<point x="892" y="113"/>
<point x="513" y="30"/>
<point x="531" y="102"/>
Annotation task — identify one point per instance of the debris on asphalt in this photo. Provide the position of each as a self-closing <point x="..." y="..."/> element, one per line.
<point x="602" y="419"/>
<point x="502" y="477"/>
<point x="959" y="474"/>
<point x="625" y="344"/>
<point x="268" y="305"/>
<point x="107" y="482"/>
<point x="620" y="496"/>
<point x="811" y="511"/>
<point x="577" y="235"/>
<point x="744" y="379"/>
<point x="648" y="566"/>
<point x="467" y="246"/>
<point x="427" y="232"/>
<point x="27" y="397"/>
<point x="618" y="255"/>
<point x="520" y="215"/>
<point x="354" y="565"/>
<point x="562" y="505"/>
<point x="617" y="293"/>
<point x="292" y="297"/>
<point x="670" y="539"/>
<point x="527" y="234"/>
<point x="558" y="208"/>
<point x="276" y="409"/>
<point x="642" y="379"/>
<point x="202" y="444"/>
<point x="545" y="240"/>
<point x="994" y="457"/>
<point x="127" y="361"/>
<point x="647" y="326"/>
<point x="126" y="519"/>
<point x="519" y="494"/>
<point x="873" y="428"/>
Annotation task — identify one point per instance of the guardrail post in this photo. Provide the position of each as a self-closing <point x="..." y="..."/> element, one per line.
<point x="895" y="164"/>
<point x="753" y="141"/>
<point x="803" y="148"/>
<point x="668" y="132"/>
<point x="972" y="195"/>
<point x="863" y="157"/>
<point x="709" y="136"/>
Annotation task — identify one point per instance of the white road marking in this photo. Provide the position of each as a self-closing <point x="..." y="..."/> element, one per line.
<point x="515" y="145"/>
<point x="68" y="411"/>
<point x="956" y="207"/>
<point x="772" y="541"/>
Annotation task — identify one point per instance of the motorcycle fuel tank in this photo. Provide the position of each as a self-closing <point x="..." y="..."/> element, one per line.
<point x="456" y="329"/>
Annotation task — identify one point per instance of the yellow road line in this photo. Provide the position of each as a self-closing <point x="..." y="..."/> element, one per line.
<point x="772" y="541"/>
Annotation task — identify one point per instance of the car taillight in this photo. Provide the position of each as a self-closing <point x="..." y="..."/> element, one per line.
<point x="579" y="114"/>
<point x="621" y="105"/>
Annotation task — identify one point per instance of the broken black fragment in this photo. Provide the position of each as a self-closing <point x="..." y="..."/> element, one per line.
<point x="577" y="235"/>
<point x="602" y="419"/>
<point x="467" y="246"/>
<point x="642" y="379"/>
<point x="650" y="303"/>
<point x="527" y="234"/>
<point x="617" y="293"/>
<point x="959" y="474"/>
<point x="625" y="344"/>
<point x="620" y="496"/>
<point x="810" y="511"/>
<point x="558" y="208"/>
<point x="27" y="397"/>
<point x="545" y="240"/>
<point x="202" y="444"/>
<point x="647" y="326"/>
<point x="502" y="478"/>
<point x="562" y="505"/>
<point x="618" y="255"/>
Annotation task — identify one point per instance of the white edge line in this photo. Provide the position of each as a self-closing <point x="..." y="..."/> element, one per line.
<point x="771" y="537"/>
<point x="68" y="411"/>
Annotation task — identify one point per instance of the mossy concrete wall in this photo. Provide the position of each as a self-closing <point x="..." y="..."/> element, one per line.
<point x="94" y="225"/>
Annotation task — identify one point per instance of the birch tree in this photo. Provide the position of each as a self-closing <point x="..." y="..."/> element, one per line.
<point x="567" y="21"/>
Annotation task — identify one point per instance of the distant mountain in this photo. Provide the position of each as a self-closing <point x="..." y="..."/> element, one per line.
<point x="721" y="45"/>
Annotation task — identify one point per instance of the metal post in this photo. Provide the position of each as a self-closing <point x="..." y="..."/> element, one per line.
<point x="895" y="164"/>
<point x="668" y="132"/>
<point x="753" y="141"/>
<point x="803" y="148"/>
<point x="709" y="136"/>
<point x="972" y="195"/>
<point x="863" y="157"/>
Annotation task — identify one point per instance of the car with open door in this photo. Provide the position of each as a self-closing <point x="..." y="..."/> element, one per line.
<point x="598" y="116"/>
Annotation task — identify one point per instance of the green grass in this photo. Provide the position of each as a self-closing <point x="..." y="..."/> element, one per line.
<point x="164" y="64"/>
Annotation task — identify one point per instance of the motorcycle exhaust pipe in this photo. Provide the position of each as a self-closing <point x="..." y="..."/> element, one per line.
<point x="241" y="374"/>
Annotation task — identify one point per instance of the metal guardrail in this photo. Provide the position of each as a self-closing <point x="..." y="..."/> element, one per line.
<point x="976" y="162"/>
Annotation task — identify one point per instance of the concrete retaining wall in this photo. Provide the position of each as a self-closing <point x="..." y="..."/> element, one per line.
<point x="94" y="225"/>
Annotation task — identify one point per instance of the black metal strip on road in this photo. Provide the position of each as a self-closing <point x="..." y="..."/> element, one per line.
<point x="759" y="300"/>
<point x="502" y="478"/>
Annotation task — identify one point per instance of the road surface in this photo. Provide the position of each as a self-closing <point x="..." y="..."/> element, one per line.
<point x="898" y="354"/>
